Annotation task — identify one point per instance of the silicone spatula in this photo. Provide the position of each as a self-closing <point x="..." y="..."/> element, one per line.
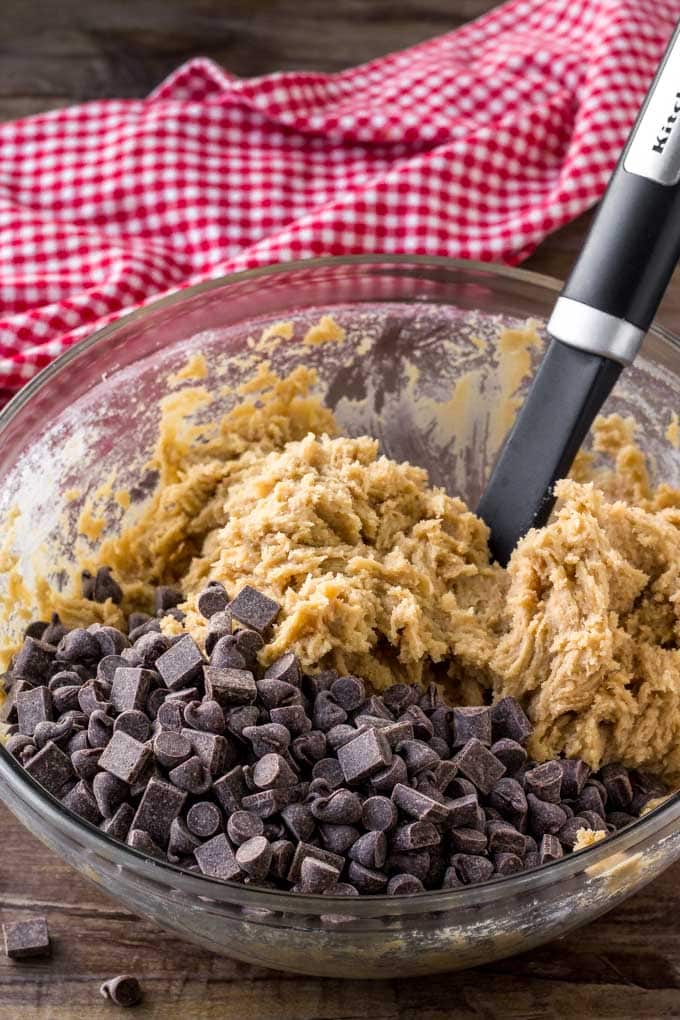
<point x="600" y="317"/>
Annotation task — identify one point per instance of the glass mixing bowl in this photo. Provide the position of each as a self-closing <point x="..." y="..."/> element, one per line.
<point x="422" y="370"/>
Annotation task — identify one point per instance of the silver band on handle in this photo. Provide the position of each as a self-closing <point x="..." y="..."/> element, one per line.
<point x="591" y="330"/>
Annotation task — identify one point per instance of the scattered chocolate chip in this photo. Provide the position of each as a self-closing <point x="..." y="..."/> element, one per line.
<point x="99" y="729"/>
<point x="78" y="646"/>
<point x="124" y="990"/>
<point x="85" y="761"/>
<point x="34" y="660"/>
<point x="104" y="587"/>
<point x="142" y="841"/>
<point x="617" y="783"/>
<point x="544" y="817"/>
<point x="367" y="880"/>
<point x="224" y="652"/>
<point x="205" y="715"/>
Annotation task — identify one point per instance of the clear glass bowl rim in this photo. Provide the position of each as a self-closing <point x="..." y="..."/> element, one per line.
<point x="93" y="839"/>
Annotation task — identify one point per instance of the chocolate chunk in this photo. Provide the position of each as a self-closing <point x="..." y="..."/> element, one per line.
<point x="544" y="817"/>
<point x="367" y="880"/>
<point x="133" y="722"/>
<point x="468" y="841"/>
<point x="125" y="757"/>
<point x="471" y="868"/>
<point x="463" y="811"/>
<point x="417" y="805"/>
<point x="229" y="686"/>
<point x="142" y="841"/>
<point x="420" y="724"/>
<point x="362" y="757"/>
<point x="92" y="697"/>
<point x="109" y="793"/>
<point x="505" y="838"/>
<point x="266" y="803"/>
<point x="299" y="821"/>
<point x="182" y="843"/>
<point x="191" y="776"/>
<point x="273" y="771"/>
<point x="215" y="752"/>
<point x="338" y="838"/>
<point x="161" y="803"/>
<point x="414" y="836"/>
<point x="206" y="715"/>
<point x="212" y="599"/>
<point x="51" y="768"/>
<point x="78" y="646"/>
<point x="99" y="729"/>
<point x="286" y="668"/>
<point x="545" y="781"/>
<point x="293" y="717"/>
<point x="119" y="825"/>
<point x="305" y="850"/>
<point x="24" y="939"/>
<point x="229" y="789"/>
<point x="469" y="723"/>
<point x="130" y="688"/>
<point x="34" y="660"/>
<point x="81" y="801"/>
<point x="479" y="765"/>
<point x="615" y="778"/>
<point x="370" y="850"/>
<point x="124" y="990"/>
<point x="254" y="610"/>
<point x="254" y="857"/>
<point x="215" y="858"/>
<point x="550" y="849"/>
<point x="204" y="819"/>
<point x="33" y="706"/>
<point x="379" y="814"/>
<point x="181" y="664"/>
<point x="166" y="598"/>
<point x="508" y="719"/>
<point x="342" y="807"/>
<point x="317" y="876"/>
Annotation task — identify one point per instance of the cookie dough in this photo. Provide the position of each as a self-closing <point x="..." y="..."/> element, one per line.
<point x="381" y="575"/>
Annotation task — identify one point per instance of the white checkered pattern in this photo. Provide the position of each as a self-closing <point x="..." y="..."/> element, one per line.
<point x="475" y="144"/>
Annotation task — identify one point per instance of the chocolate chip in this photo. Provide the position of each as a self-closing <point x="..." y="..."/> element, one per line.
<point x="119" y="825"/>
<point x="134" y="723"/>
<point x="340" y="735"/>
<point x="507" y="864"/>
<point x="379" y="814"/>
<point x="166" y="598"/>
<point x="124" y="990"/>
<point x="124" y="757"/>
<point x="249" y="643"/>
<point x="216" y="752"/>
<point x="24" y="939"/>
<point x="273" y="771"/>
<point x="544" y="817"/>
<point x="463" y="811"/>
<point x="286" y="668"/>
<point x="109" y="793"/>
<point x="34" y="660"/>
<point x="254" y="857"/>
<point x="181" y="664"/>
<point x="471" y="868"/>
<point x="254" y="610"/>
<point x="505" y="838"/>
<point x="550" y="849"/>
<point x="567" y="834"/>
<point x="418" y="756"/>
<point x="191" y="776"/>
<point x="590" y="799"/>
<point x="229" y="686"/>
<point x="170" y="716"/>
<point x="130" y="688"/>
<point x="313" y="685"/>
<point x="51" y="768"/>
<point x="327" y="713"/>
<point x="338" y="838"/>
<point x="224" y="652"/>
<point x="78" y="646"/>
<point x="282" y="855"/>
<point x="508" y="719"/>
<point x="370" y="850"/>
<point x="93" y="696"/>
<point x="309" y="747"/>
<point x="204" y="819"/>
<point x="383" y="782"/>
<point x="81" y="801"/>
<point x="404" y="885"/>
<point x="266" y="803"/>
<point x="509" y="753"/>
<point x="54" y="631"/>
<point x="86" y="761"/>
<point x="182" y="842"/>
<point x="509" y="799"/>
<point x="59" y="732"/>
<point x="414" y="836"/>
<point x="349" y="692"/>
<point x="293" y="717"/>
<point x="619" y="819"/>
<point x="212" y="599"/>
<point x="99" y="729"/>
<point x="161" y="803"/>
<point x="414" y="863"/>
<point x="271" y="737"/>
<point x="367" y="880"/>
<point x="299" y="821"/>
<point x="362" y="757"/>
<point x="142" y="841"/>
<point x="545" y="781"/>
<point x="468" y="841"/>
<point x="206" y="715"/>
<point x="137" y="619"/>
<point x="479" y="765"/>
<point x="171" y="748"/>
<point x="342" y="807"/>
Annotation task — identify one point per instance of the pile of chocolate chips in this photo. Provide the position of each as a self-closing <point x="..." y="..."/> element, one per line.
<point x="282" y="779"/>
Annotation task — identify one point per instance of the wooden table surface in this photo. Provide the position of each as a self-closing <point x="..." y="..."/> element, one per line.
<point x="624" y="966"/>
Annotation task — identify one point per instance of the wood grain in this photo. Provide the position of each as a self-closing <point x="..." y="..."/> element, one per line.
<point x="626" y="965"/>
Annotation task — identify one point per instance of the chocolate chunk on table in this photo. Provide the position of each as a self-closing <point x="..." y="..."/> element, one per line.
<point x="25" y="939"/>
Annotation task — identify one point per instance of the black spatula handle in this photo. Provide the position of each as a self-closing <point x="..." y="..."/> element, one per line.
<point x="614" y="290"/>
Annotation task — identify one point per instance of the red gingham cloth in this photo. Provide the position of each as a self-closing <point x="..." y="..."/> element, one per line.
<point x="475" y="144"/>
